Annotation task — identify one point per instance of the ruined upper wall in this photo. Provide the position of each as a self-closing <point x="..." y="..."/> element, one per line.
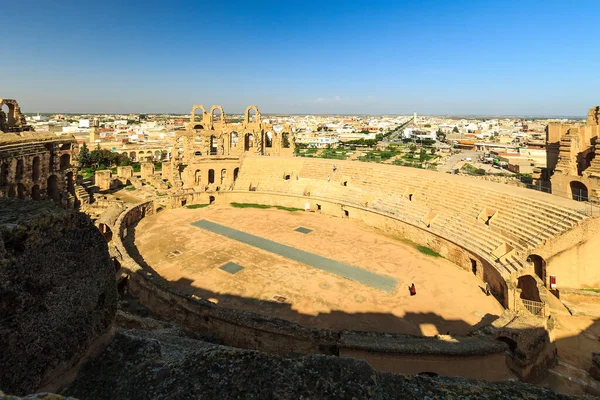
<point x="13" y="120"/>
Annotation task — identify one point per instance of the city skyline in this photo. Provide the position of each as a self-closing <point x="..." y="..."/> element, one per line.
<point x="472" y="59"/>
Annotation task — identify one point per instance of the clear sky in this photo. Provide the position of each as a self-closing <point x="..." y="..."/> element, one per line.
<point x="433" y="57"/>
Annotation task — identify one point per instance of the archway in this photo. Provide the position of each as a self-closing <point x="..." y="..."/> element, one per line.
<point x="21" y="191"/>
<point x="4" y="174"/>
<point x="216" y="114"/>
<point x="252" y="115"/>
<point x="285" y="140"/>
<point x="512" y="344"/>
<point x="19" y="172"/>
<point x="539" y="266"/>
<point x="529" y="289"/>
<point x="248" y="141"/>
<point x="579" y="191"/>
<point x="223" y="176"/>
<point x="213" y="145"/>
<point x="233" y="139"/>
<point x="52" y="188"/>
<point x="105" y="231"/>
<point x="70" y="183"/>
<point x="198" y="177"/>
<point x="35" y="192"/>
<point x="197" y="117"/>
<point x="269" y="139"/>
<point x="157" y="155"/>
<point x="211" y="176"/>
<point x="65" y="161"/>
<point x="35" y="169"/>
<point x="235" y="173"/>
<point x="132" y="156"/>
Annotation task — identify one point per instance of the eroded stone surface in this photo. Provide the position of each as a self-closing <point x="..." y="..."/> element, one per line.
<point x="57" y="292"/>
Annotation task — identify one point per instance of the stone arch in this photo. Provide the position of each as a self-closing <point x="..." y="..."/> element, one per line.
<point x="529" y="289"/>
<point x="198" y="177"/>
<point x="193" y="113"/>
<point x="221" y="115"/>
<point x="164" y="155"/>
<point x="223" y="176"/>
<point x="233" y="139"/>
<point x="211" y="176"/>
<point x="52" y="188"/>
<point x="106" y="232"/>
<point x="132" y="156"/>
<point x="21" y="191"/>
<point x="19" y="171"/>
<point x="198" y="153"/>
<point x="35" y="192"/>
<point x="35" y="168"/>
<point x="236" y="172"/>
<point x="579" y="191"/>
<point x="198" y="141"/>
<point x="539" y="266"/>
<point x="247" y="117"/>
<point x="269" y="139"/>
<point x="65" y="161"/>
<point x="157" y="155"/>
<point x="248" y="141"/>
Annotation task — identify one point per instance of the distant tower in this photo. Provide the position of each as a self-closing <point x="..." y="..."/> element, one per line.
<point x="92" y="135"/>
<point x="415" y="117"/>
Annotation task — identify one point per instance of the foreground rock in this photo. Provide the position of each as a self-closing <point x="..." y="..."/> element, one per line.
<point x="165" y="364"/>
<point x="57" y="292"/>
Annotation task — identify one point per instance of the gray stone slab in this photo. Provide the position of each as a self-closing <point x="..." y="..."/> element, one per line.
<point x="351" y="272"/>
<point x="302" y="229"/>
<point x="231" y="267"/>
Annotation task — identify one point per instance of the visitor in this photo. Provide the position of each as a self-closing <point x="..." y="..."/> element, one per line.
<point x="412" y="290"/>
<point x="487" y="289"/>
<point x="328" y="178"/>
<point x="334" y="167"/>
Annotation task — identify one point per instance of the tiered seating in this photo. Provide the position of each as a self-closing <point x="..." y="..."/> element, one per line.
<point x="523" y="219"/>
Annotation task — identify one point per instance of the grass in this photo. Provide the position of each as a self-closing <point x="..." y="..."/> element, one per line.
<point x="249" y="205"/>
<point x="194" y="206"/>
<point x="264" y="206"/>
<point x="592" y="290"/>
<point x="130" y="188"/>
<point x="288" y="208"/>
<point x="427" y="251"/>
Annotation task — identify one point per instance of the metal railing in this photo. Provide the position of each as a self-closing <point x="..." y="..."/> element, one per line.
<point x="536" y="308"/>
<point x="589" y="207"/>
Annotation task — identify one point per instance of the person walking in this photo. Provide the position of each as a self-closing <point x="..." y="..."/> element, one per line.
<point x="412" y="290"/>
<point x="487" y="289"/>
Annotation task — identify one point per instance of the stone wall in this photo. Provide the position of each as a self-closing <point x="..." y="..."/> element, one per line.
<point x="37" y="166"/>
<point x="57" y="293"/>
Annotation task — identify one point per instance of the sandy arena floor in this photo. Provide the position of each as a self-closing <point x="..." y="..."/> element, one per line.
<point x="448" y="298"/>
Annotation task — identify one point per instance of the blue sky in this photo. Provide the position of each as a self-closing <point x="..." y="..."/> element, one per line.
<point x="432" y="57"/>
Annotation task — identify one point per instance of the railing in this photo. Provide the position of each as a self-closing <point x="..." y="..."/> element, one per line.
<point x="589" y="208"/>
<point x="536" y="308"/>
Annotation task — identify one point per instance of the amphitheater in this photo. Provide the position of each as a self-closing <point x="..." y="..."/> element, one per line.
<point x="257" y="249"/>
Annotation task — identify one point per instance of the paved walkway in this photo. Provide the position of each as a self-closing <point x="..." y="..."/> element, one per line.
<point x="360" y="275"/>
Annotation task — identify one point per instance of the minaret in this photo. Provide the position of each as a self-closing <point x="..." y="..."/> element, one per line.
<point x="92" y="136"/>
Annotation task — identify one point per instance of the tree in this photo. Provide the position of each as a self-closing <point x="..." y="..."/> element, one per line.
<point x="84" y="158"/>
<point x="455" y="130"/>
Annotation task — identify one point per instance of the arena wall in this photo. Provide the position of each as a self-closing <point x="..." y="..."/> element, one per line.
<point x="248" y="330"/>
<point x="573" y="257"/>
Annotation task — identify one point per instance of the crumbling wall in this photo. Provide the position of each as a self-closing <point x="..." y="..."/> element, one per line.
<point x="57" y="292"/>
